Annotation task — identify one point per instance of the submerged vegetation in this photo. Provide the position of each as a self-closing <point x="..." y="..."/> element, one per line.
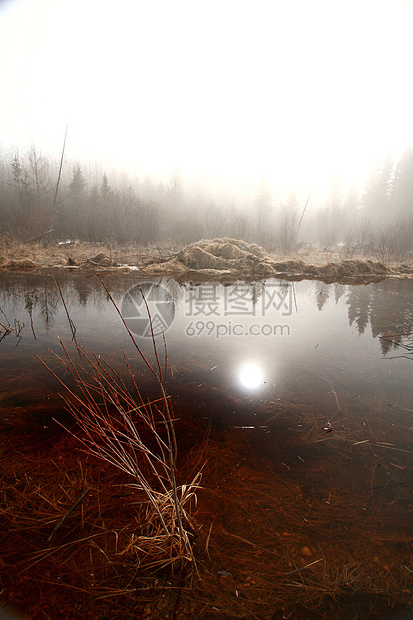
<point x="128" y="433"/>
<point x="78" y="540"/>
<point x="100" y="518"/>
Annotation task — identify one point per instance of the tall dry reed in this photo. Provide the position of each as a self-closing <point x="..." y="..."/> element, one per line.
<point x="137" y="436"/>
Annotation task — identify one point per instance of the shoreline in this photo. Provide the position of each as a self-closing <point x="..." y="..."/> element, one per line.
<point x="223" y="260"/>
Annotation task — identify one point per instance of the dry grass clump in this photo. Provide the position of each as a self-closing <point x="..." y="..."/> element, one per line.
<point x="219" y="254"/>
<point x="24" y="264"/>
<point x="14" y="253"/>
<point x="231" y="248"/>
<point x="197" y="258"/>
<point x="296" y="266"/>
<point x="70" y="534"/>
<point x="137" y="437"/>
<point x="220" y="257"/>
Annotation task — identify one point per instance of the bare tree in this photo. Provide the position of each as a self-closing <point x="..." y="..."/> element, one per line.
<point x="264" y="204"/>
<point x="174" y="189"/>
<point x="287" y="225"/>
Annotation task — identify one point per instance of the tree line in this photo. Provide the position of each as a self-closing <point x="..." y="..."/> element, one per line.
<point x="378" y="216"/>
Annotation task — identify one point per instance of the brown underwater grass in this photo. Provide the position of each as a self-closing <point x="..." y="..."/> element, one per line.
<point x="263" y="548"/>
<point x="129" y="434"/>
<point x="95" y="521"/>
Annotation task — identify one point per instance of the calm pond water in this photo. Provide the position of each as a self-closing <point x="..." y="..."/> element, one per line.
<point x="303" y="392"/>
<point x="310" y="371"/>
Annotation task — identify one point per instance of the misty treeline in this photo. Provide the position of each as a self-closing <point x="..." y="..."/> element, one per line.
<point x="91" y="205"/>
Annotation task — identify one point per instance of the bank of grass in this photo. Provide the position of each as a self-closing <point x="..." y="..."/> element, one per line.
<point x="15" y="254"/>
<point x="214" y="258"/>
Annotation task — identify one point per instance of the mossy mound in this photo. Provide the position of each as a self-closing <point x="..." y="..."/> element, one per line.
<point x="102" y="260"/>
<point x="197" y="258"/>
<point x="245" y="260"/>
<point x="360" y="267"/>
<point x="170" y="267"/>
<point x="24" y="264"/>
<point x="217" y="254"/>
<point x="290" y="266"/>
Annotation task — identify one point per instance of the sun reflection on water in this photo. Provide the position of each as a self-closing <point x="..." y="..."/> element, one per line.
<point x="251" y="375"/>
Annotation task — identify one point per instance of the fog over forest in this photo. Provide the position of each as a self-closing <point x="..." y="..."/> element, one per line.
<point x="93" y="205"/>
<point x="284" y="124"/>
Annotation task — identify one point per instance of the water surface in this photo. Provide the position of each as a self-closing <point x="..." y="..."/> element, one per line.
<point x="308" y="370"/>
<point x="296" y="398"/>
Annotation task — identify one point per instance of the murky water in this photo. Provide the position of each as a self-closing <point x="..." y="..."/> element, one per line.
<point x="303" y="391"/>
<point x="310" y="371"/>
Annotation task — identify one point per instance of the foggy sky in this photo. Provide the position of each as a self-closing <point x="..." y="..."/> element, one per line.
<point x="227" y="91"/>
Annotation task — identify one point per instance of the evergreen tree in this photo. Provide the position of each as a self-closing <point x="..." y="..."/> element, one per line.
<point x="286" y="234"/>
<point x="402" y="185"/>
<point x="94" y="224"/>
<point x="174" y="188"/>
<point x="19" y="176"/>
<point x="21" y="185"/>
<point x="74" y="215"/>
<point x="39" y="174"/>
<point x="109" y="223"/>
<point x="105" y="190"/>
<point x="376" y="198"/>
<point x="77" y="184"/>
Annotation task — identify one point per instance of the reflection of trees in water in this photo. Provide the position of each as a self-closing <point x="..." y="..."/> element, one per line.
<point x="47" y="302"/>
<point x="339" y="290"/>
<point x="258" y="289"/>
<point x="29" y="302"/>
<point x="39" y="297"/>
<point x="322" y="294"/>
<point x="388" y="307"/>
<point x="82" y="290"/>
<point x="391" y="342"/>
<point x="403" y="343"/>
<point x="89" y="291"/>
<point x="359" y="307"/>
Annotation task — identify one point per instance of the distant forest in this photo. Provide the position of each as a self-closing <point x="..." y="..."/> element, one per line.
<point x="376" y="219"/>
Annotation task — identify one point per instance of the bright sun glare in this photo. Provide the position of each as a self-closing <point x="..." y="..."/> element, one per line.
<point x="251" y="375"/>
